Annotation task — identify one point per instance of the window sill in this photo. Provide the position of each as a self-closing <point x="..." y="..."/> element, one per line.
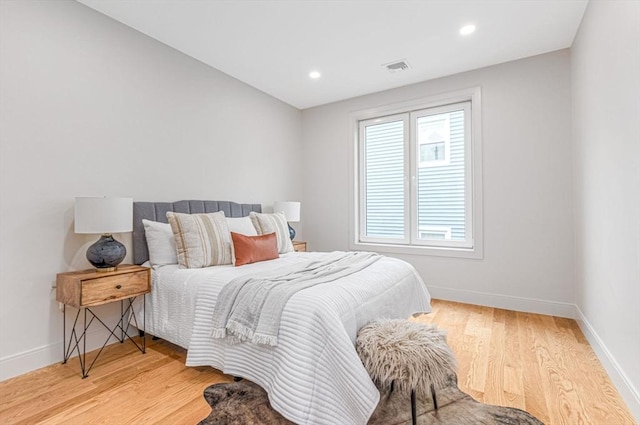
<point x="472" y="253"/>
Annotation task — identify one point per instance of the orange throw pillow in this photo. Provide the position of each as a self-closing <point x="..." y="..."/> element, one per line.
<point x="251" y="249"/>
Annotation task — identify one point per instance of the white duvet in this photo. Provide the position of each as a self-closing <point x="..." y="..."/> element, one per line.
<point x="313" y="375"/>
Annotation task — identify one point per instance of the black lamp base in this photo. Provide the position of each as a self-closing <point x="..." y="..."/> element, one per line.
<point x="106" y="253"/>
<point x="292" y="232"/>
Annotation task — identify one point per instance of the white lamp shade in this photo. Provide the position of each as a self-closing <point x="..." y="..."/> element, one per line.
<point x="291" y="210"/>
<point x="103" y="215"/>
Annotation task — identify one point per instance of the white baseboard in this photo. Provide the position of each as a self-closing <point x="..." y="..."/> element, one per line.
<point x="46" y="355"/>
<point x="627" y="391"/>
<point x="507" y="302"/>
<point x="17" y="364"/>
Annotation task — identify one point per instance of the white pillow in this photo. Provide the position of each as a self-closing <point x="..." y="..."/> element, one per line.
<point x="270" y="223"/>
<point x="161" y="243"/>
<point x="242" y="225"/>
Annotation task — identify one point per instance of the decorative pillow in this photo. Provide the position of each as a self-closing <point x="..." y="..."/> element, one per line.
<point x="251" y="249"/>
<point x="202" y="240"/>
<point x="161" y="243"/>
<point x="242" y="225"/>
<point x="270" y="223"/>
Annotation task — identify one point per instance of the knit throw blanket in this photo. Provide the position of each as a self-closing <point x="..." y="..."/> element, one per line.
<point x="249" y="307"/>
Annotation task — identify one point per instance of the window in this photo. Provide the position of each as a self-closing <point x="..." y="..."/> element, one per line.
<point x="418" y="178"/>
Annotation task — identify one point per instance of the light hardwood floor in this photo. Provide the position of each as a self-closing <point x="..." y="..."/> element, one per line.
<point x="541" y="364"/>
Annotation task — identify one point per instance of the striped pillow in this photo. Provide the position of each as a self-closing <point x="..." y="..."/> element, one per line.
<point x="202" y="240"/>
<point x="269" y="223"/>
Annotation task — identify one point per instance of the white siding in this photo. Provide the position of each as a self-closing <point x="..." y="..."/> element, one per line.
<point x="384" y="179"/>
<point x="441" y="188"/>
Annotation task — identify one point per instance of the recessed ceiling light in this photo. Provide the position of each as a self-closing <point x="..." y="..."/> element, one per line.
<point x="467" y="29"/>
<point x="314" y="74"/>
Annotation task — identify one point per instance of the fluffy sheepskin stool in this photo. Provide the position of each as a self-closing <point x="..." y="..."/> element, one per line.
<point x="409" y="356"/>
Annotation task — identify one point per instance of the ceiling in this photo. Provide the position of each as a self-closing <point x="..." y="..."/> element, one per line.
<point x="274" y="45"/>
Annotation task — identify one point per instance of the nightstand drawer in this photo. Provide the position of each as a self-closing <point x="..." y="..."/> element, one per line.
<point x="113" y="288"/>
<point x="299" y="246"/>
<point x="88" y="287"/>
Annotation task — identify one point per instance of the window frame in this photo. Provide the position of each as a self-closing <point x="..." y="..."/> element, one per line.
<point x="473" y="178"/>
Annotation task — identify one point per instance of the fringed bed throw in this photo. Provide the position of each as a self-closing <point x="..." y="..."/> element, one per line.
<point x="249" y="308"/>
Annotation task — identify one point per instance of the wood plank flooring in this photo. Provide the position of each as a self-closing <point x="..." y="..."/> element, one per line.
<point x="540" y="364"/>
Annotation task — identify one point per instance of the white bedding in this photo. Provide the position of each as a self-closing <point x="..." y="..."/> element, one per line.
<point x="313" y="375"/>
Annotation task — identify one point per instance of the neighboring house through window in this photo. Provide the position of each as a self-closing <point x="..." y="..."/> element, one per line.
<point x="418" y="186"/>
<point x="434" y="140"/>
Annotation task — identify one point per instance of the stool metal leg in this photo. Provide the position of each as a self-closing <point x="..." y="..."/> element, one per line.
<point x="413" y="408"/>
<point x="433" y="395"/>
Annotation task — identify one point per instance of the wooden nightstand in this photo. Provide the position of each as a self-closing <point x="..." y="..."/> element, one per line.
<point x="88" y="288"/>
<point x="299" y="246"/>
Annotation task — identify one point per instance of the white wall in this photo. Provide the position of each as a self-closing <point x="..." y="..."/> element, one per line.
<point x="73" y="81"/>
<point x="90" y="107"/>
<point x="528" y="225"/>
<point x="605" y="61"/>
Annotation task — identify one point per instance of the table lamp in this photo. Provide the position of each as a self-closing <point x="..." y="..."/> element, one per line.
<point x="105" y="216"/>
<point x="291" y="210"/>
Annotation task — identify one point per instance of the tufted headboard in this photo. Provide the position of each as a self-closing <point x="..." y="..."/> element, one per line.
<point x="157" y="211"/>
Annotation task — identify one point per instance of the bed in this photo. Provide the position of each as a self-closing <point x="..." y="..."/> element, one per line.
<point x="313" y="375"/>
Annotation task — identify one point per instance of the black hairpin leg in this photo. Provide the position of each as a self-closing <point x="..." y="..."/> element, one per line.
<point x="76" y="340"/>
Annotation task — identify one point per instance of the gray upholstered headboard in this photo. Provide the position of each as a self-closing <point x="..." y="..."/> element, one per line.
<point x="157" y="211"/>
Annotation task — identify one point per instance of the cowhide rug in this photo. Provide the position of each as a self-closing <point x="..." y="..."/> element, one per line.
<point x="245" y="403"/>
